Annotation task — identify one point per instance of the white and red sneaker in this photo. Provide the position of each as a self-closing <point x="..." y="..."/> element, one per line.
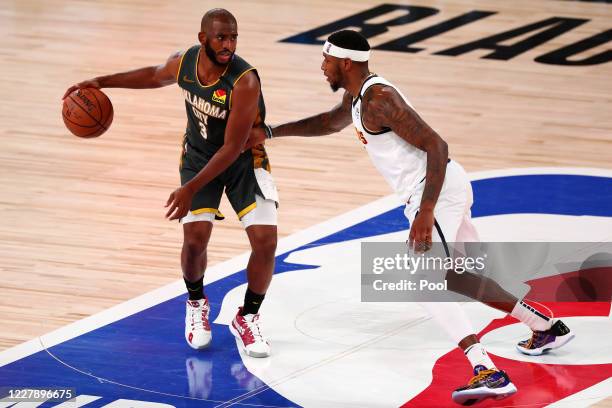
<point x="197" y="328"/>
<point x="246" y="330"/>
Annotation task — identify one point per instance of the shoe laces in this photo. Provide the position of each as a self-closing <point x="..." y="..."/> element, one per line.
<point x="253" y="327"/>
<point x="482" y="374"/>
<point x="536" y="336"/>
<point x="197" y="316"/>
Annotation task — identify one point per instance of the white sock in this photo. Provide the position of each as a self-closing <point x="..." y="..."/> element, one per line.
<point x="451" y="317"/>
<point x="478" y="356"/>
<point x="533" y="318"/>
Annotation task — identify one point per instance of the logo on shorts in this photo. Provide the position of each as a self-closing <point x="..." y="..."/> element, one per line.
<point x="219" y="96"/>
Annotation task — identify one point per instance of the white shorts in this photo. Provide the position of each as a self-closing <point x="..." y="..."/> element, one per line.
<point x="264" y="213"/>
<point x="453" y="210"/>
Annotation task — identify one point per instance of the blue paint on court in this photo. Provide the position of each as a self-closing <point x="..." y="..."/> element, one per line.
<point x="144" y="356"/>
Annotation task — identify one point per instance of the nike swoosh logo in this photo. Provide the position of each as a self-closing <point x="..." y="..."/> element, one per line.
<point x="187" y="79"/>
<point x="495" y="383"/>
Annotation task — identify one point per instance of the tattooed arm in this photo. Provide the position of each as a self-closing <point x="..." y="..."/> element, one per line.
<point x="384" y="107"/>
<point x="322" y="124"/>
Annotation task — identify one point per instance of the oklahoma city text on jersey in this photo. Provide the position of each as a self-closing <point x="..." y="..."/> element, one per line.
<point x="202" y="109"/>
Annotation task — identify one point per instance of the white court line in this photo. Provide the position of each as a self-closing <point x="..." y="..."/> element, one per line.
<point x="233" y="265"/>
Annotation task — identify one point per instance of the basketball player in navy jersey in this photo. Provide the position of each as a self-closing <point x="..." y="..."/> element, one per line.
<point x="413" y="159"/>
<point x="216" y="156"/>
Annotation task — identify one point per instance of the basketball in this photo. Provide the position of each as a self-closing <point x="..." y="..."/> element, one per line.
<point x="87" y="112"/>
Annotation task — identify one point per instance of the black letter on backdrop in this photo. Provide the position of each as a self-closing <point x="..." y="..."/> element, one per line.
<point x="402" y="43"/>
<point x="359" y="21"/>
<point x="559" y="25"/>
<point x="560" y="56"/>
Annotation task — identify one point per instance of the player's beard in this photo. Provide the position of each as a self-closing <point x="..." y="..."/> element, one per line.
<point x="212" y="55"/>
<point x="335" y="85"/>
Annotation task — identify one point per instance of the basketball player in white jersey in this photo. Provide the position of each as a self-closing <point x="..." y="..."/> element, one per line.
<point x="413" y="159"/>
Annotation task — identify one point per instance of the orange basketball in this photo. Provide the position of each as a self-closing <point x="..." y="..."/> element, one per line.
<point x="87" y="112"/>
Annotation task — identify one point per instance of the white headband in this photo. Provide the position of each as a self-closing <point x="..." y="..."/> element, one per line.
<point x="340" y="52"/>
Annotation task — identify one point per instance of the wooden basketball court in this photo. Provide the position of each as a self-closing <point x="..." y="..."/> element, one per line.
<point x="83" y="224"/>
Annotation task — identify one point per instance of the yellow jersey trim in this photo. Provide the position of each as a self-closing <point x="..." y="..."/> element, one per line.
<point x="235" y="82"/>
<point x="178" y="73"/>
<point x="247" y="210"/>
<point x="184" y="141"/>
<point x="196" y="72"/>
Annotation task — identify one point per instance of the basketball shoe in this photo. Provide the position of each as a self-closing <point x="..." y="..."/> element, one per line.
<point x="543" y="341"/>
<point x="197" y="328"/>
<point x="485" y="384"/>
<point x="246" y="330"/>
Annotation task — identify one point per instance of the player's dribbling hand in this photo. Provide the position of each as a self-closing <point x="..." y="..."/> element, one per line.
<point x="420" y="231"/>
<point x="90" y="83"/>
<point x="179" y="203"/>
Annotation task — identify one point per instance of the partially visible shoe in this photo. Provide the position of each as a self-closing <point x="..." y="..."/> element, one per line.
<point x="197" y="327"/>
<point x="485" y="384"/>
<point x="543" y="341"/>
<point x="246" y="330"/>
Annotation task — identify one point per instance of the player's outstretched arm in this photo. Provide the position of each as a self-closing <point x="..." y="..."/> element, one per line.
<point x="142" y="78"/>
<point x="245" y="96"/>
<point x="322" y="124"/>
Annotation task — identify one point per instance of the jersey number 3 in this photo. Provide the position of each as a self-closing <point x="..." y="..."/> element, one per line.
<point x="203" y="130"/>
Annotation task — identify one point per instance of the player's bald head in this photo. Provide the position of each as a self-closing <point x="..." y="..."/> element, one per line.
<point x="216" y="14"/>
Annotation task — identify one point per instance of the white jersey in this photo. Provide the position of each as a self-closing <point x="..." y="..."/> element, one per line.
<point x="401" y="164"/>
